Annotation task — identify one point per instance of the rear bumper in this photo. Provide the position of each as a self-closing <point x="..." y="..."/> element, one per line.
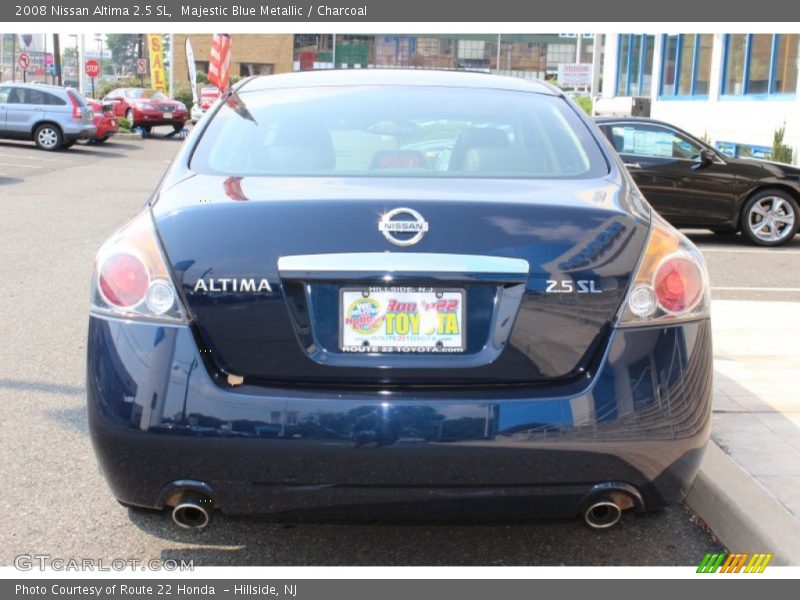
<point x="156" y="118"/>
<point x="156" y="417"/>
<point x="80" y="132"/>
<point x="106" y="128"/>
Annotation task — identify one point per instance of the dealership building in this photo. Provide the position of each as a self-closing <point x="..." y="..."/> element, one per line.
<point x="734" y="90"/>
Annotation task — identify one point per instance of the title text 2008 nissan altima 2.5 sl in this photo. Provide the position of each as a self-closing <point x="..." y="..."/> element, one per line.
<point x="401" y="291"/>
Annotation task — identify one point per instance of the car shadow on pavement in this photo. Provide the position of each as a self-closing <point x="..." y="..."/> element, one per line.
<point x="10" y="180"/>
<point x="120" y="145"/>
<point x="108" y="151"/>
<point x="667" y="537"/>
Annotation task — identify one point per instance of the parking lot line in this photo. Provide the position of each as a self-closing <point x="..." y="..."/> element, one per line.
<point x="37" y="158"/>
<point x="754" y="289"/>
<point x="21" y="166"/>
<point x="747" y="251"/>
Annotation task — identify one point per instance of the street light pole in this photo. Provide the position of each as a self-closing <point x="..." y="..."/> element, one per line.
<point x="171" y="65"/>
<point x="57" y="58"/>
<point x="99" y="38"/>
<point x="81" y="59"/>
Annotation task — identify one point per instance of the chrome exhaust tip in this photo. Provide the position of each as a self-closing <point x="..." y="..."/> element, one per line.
<point x="602" y="514"/>
<point x="193" y="511"/>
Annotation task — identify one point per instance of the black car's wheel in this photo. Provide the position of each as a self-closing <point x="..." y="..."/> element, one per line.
<point x="48" y="137"/>
<point x="770" y="218"/>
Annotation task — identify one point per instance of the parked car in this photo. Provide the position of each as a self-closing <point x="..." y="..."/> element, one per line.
<point x="693" y="185"/>
<point x="310" y="312"/>
<point x="147" y="108"/>
<point x="53" y="117"/>
<point x="105" y="122"/>
<point x="208" y="95"/>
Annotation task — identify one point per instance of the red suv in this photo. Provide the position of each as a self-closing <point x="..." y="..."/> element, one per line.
<point x="147" y="108"/>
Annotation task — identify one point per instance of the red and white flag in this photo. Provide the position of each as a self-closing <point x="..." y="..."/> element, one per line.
<point x="219" y="72"/>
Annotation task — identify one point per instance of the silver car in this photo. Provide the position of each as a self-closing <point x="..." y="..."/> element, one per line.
<point x="53" y="117"/>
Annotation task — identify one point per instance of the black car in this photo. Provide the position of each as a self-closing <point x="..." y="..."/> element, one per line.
<point x="693" y="185"/>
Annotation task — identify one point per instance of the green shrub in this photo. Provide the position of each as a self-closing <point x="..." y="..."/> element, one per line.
<point x="124" y="124"/>
<point x="183" y="92"/>
<point x="585" y="103"/>
<point x="780" y="151"/>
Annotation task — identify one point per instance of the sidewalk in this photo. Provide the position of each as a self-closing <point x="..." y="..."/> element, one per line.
<point x="748" y="487"/>
<point x="757" y="392"/>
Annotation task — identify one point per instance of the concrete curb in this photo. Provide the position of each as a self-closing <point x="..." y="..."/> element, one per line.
<point x="741" y="513"/>
<point x="126" y="136"/>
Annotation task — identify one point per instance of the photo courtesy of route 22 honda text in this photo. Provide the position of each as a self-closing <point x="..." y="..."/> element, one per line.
<point x="393" y="289"/>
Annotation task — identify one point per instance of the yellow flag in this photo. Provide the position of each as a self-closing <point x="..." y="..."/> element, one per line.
<point x="155" y="45"/>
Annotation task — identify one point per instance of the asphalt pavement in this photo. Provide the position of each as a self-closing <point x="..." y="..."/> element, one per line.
<point x="57" y="208"/>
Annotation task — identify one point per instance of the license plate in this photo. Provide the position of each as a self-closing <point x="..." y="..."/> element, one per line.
<point x="167" y="115"/>
<point x="402" y="319"/>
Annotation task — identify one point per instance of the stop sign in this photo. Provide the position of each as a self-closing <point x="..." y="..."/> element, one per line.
<point x="92" y="68"/>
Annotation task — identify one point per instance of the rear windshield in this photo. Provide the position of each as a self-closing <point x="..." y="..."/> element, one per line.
<point x="398" y="131"/>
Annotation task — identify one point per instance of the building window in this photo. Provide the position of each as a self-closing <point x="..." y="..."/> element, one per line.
<point x="686" y="66"/>
<point x="250" y="69"/>
<point x="635" y="66"/>
<point x="760" y="64"/>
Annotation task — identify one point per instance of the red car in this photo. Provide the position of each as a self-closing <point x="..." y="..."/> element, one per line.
<point x="147" y="108"/>
<point x="105" y="121"/>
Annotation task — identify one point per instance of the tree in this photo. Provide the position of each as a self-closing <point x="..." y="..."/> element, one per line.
<point x="780" y="151"/>
<point x="123" y="47"/>
<point x="69" y="57"/>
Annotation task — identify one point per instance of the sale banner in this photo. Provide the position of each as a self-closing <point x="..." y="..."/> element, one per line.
<point x="191" y="69"/>
<point x="155" y="46"/>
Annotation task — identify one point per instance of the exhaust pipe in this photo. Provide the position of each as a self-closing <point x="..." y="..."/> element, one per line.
<point x="602" y="514"/>
<point x="193" y="510"/>
<point x="603" y="506"/>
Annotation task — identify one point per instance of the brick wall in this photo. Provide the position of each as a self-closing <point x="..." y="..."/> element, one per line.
<point x="260" y="49"/>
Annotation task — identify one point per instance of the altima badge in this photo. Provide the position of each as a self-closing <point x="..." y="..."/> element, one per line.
<point x="399" y="229"/>
<point x="257" y="286"/>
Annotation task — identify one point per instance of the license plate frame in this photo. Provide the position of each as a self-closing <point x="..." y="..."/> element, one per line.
<point x="167" y="115"/>
<point x="381" y="341"/>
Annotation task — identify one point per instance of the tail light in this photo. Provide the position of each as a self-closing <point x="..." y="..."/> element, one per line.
<point x="131" y="278"/>
<point x="671" y="283"/>
<point x="77" y="113"/>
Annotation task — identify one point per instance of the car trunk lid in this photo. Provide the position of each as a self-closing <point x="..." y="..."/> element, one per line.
<point x="270" y="266"/>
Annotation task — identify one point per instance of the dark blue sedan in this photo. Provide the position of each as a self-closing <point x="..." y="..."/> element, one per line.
<point x="407" y="290"/>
